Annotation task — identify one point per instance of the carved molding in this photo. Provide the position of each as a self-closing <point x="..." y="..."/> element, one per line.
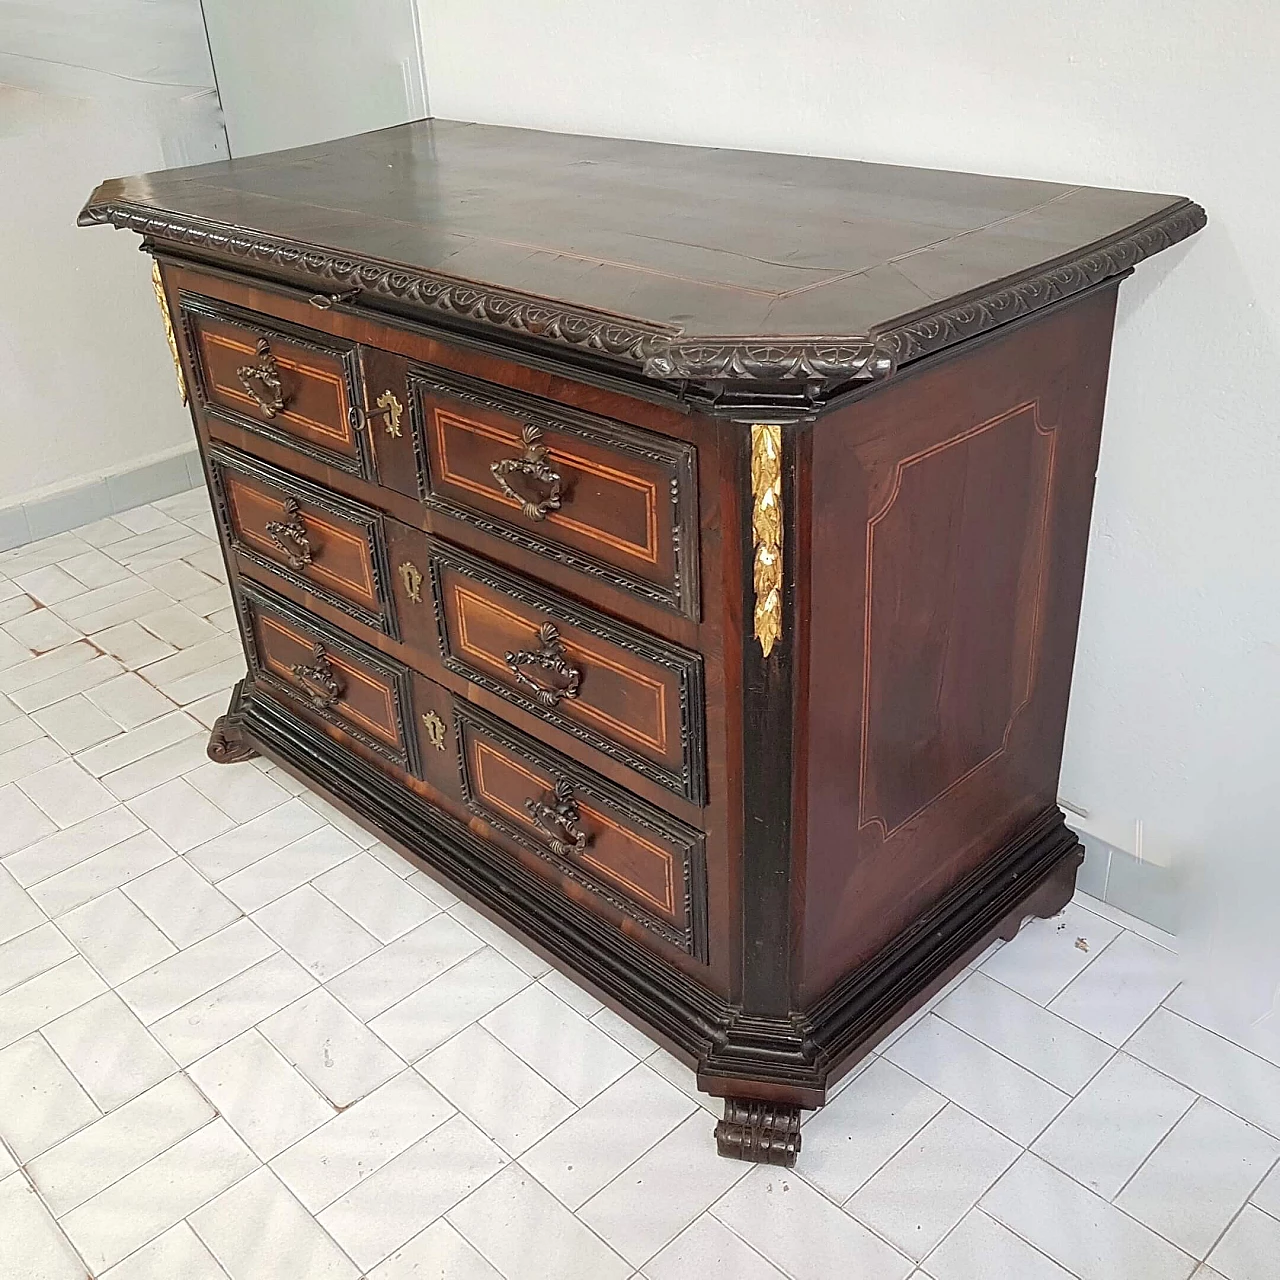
<point x="658" y="350"/>
<point x="766" y="532"/>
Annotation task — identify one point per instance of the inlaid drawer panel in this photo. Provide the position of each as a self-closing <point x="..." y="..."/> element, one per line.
<point x="611" y="500"/>
<point x="330" y="676"/>
<point x="296" y="386"/>
<point x="634" y="697"/>
<point x="309" y="536"/>
<point x="639" y="860"/>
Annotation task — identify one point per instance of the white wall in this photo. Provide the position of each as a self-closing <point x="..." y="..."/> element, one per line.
<point x="89" y="89"/>
<point x="1178" y="673"/>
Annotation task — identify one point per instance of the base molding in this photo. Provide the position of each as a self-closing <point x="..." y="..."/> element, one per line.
<point x="751" y="1060"/>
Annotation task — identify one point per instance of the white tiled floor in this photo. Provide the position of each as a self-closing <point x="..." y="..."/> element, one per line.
<point x="239" y="1038"/>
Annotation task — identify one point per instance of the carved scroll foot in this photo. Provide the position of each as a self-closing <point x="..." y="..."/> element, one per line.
<point x="227" y="742"/>
<point x="1050" y="898"/>
<point x="763" y="1132"/>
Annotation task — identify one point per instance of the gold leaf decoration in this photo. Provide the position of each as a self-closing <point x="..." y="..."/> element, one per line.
<point x="766" y="532"/>
<point x="158" y="285"/>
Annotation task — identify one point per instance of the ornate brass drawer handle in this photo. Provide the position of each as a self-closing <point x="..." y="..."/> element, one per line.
<point x="262" y="381"/>
<point x="562" y="816"/>
<point x="318" y="679"/>
<point x="290" y="536"/>
<point x="532" y="463"/>
<point x="549" y="656"/>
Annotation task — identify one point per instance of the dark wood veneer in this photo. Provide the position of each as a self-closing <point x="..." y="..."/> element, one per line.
<point x="684" y="562"/>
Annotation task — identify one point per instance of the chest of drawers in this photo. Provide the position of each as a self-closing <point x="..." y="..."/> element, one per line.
<point x="679" y="552"/>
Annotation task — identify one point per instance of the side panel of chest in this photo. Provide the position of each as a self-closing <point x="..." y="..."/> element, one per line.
<point x="949" y="527"/>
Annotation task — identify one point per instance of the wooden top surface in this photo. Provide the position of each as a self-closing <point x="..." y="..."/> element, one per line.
<point x="688" y="261"/>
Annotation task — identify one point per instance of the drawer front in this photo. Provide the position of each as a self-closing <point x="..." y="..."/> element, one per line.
<point x="330" y="676"/>
<point x="631" y="696"/>
<point x="296" y="386"/>
<point x="606" y="498"/>
<point x="639" y="860"/>
<point x="297" y="531"/>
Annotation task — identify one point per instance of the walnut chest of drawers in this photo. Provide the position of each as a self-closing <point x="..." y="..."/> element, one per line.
<point x="678" y="551"/>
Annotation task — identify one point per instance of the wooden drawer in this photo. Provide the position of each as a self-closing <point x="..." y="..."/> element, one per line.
<point x="296" y="386"/>
<point x="608" y="499"/>
<point x="633" y="857"/>
<point x="291" y="529"/>
<point x="330" y="676"/>
<point x="632" y="696"/>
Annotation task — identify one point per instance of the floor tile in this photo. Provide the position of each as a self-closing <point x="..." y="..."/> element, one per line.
<point x="115" y="937"/>
<point x="178" y="1254"/>
<point x="178" y="580"/>
<point x="1047" y="954"/>
<point x="339" y="820"/>
<point x="129" y="700"/>
<point x="165" y="765"/>
<point x="1230" y="1076"/>
<point x="110" y="1052"/>
<point x="357" y="1142"/>
<point x="324" y="940"/>
<point x="411" y="1191"/>
<point x="501" y="941"/>
<point x="239" y="790"/>
<point x="337" y="1053"/>
<point x="275" y="875"/>
<point x="122" y="1141"/>
<point x="94" y="568"/>
<point x="929" y="1186"/>
<point x="146" y="518"/>
<point x="449" y="1003"/>
<point x="50" y="584"/>
<point x="132" y="645"/>
<point x="122" y="1218"/>
<point x="850" y="1138"/>
<point x="179" y="626"/>
<point x="1018" y="1028"/>
<point x="1116" y="994"/>
<point x="494" y="1088"/>
<point x="1249" y="1248"/>
<point x="430" y="887"/>
<point x="676" y="1073"/>
<point x="41" y="630"/>
<point x="1217" y="1011"/>
<point x="64" y="849"/>
<point x="18" y="914"/>
<point x="560" y="1045"/>
<point x="1113" y="1125"/>
<point x="617" y="1028"/>
<point x="41" y="1102"/>
<point x="710" y="1251"/>
<point x="21" y="822"/>
<point x="67" y="793"/>
<point x="247" y="844"/>
<point x="523" y="1230"/>
<point x="1091" y="1238"/>
<point x="34" y="1247"/>
<point x="1267" y="1194"/>
<point x="572" y="994"/>
<point x="258" y="1231"/>
<point x="980" y="1248"/>
<point x="153" y="735"/>
<point x="595" y="1144"/>
<point x="375" y="897"/>
<point x="29" y="758"/>
<point x="191" y="973"/>
<point x="647" y="1205"/>
<point x="180" y="815"/>
<point x="1198" y="1178"/>
<point x="37" y="670"/>
<point x="438" y="1253"/>
<point x="787" y="1221"/>
<point x="39" y="1000"/>
<point x="402" y="967"/>
<point x="19" y="731"/>
<point x="223" y="1012"/>
<point x="76" y="723"/>
<point x="31" y="953"/>
<point x="1005" y="1095"/>
<point x="100" y="874"/>
<point x="45" y="693"/>
<point x="259" y="1094"/>
<point x="181" y="902"/>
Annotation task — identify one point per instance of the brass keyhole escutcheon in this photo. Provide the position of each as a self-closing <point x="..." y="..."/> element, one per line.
<point x="435" y="729"/>
<point x="391" y="410"/>
<point x="411" y="580"/>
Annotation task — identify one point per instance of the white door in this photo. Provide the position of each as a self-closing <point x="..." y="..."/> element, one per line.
<point x="293" y="72"/>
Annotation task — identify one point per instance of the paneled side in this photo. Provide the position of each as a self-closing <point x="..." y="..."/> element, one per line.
<point x="949" y="526"/>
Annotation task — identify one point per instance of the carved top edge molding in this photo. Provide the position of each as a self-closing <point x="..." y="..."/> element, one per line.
<point x="658" y="351"/>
